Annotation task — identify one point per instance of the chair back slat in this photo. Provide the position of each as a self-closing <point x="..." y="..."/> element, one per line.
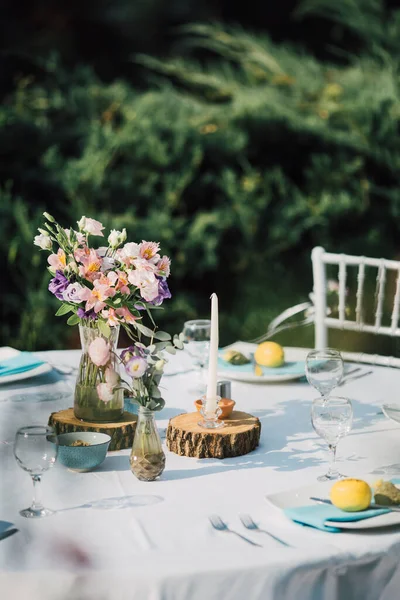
<point x="360" y="291"/>
<point x="380" y="287"/>
<point x="396" y="303"/>
<point x="342" y="289"/>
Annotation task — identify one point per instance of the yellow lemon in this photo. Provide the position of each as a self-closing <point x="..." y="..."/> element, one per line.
<point x="269" y="354"/>
<point x="351" y="495"/>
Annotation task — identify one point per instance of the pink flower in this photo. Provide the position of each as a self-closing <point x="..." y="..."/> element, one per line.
<point x="105" y="392"/>
<point x="126" y="315"/>
<point x="95" y="298"/>
<point x="163" y="266"/>
<point x="148" y="251"/>
<point x="58" y="261"/>
<point x="136" y="367"/>
<point x="110" y="315"/>
<point x="111" y="377"/>
<point x="99" y="352"/>
<point x="147" y="283"/>
<point x="122" y="285"/>
<point x="91" y="265"/>
<point x="90" y="226"/>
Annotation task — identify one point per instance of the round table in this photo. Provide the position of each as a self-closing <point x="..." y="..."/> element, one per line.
<point x="101" y="545"/>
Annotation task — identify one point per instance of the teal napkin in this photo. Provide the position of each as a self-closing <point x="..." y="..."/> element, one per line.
<point x="319" y="515"/>
<point x="25" y="361"/>
<point x="288" y="368"/>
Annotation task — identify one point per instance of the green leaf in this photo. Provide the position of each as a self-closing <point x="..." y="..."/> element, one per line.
<point x="73" y="320"/>
<point x="104" y="328"/>
<point x="170" y="349"/>
<point x="163" y="336"/>
<point x="64" y="309"/>
<point x="145" y="330"/>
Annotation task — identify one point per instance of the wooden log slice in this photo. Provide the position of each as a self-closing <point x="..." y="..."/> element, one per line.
<point x="240" y="435"/>
<point x="121" y="431"/>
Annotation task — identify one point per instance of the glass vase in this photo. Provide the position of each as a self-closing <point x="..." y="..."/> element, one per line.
<point x="147" y="456"/>
<point x="94" y="402"/>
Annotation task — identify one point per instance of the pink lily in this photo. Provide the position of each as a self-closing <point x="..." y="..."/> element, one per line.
<point x="58" y="261"/>
<point x="95" y="298"/>
<point x="126" y="315"/>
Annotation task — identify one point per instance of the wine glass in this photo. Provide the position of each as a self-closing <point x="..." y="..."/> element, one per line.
<point x="35" y="449"/>
<point x="324" y="370"/>
<point x="196" y="335"/>
<point x="332" y="420"/>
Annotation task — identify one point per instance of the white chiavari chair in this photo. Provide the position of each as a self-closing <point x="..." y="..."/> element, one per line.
<point x="317" y="310"/>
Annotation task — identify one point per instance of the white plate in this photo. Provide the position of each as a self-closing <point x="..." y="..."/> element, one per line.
<point x="392" y="412"/>
<point x="291" y="354"/>
<point x="7" y="352"/>
<point x="301" y="497"/>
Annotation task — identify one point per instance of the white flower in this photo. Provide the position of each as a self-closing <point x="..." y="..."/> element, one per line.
<point x="147" y="283"/>
<point x="90" y="226"/>
<point x="72" y="293"/>
<point x="43" y="241"/>
<point x="116" y="238"/>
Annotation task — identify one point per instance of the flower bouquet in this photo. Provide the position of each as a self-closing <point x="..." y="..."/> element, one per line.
<point x="102" y="289"/>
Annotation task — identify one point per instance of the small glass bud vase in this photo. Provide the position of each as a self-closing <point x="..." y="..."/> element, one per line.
<point x="147" y="457"/>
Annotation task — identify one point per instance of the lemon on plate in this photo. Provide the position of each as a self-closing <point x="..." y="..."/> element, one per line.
<point x="351" y="495"/>
<point x="269" y="354"/>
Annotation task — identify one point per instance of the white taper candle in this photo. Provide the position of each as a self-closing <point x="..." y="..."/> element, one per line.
<point x="211" y="395"/>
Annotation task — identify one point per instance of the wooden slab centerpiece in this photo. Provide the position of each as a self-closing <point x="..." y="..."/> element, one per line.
<point x="240" y="435"/>
<point x="121" y="432"/>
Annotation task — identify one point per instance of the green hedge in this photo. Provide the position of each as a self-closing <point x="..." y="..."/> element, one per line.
<point x="238" y="167"/>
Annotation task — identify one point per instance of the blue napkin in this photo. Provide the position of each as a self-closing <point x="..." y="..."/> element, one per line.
<point x="25" y="361"/>
<point x="319" y="515"/>
<point x="6" y="529"/>
<point x="288" y="368"/>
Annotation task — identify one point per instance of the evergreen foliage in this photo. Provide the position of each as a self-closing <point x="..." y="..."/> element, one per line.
<point x="240" y="157"/>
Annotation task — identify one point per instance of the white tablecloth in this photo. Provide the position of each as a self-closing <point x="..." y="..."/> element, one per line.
<point x="100" y="546"/>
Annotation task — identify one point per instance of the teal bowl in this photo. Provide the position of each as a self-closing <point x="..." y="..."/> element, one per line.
<point x="83" y="458"/>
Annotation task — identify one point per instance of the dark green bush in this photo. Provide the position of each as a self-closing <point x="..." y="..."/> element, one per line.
<point x="239" y="167"/>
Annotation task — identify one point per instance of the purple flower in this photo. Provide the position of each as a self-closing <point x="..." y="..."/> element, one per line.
<point x="58" y="285"/>
<point x="130" y="352"/>
<point x="86" y="314"/>
<point x="163" y="292"/>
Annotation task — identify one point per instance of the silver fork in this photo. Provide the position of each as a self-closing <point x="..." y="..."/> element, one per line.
<point x="252" y="526"/>
<point x="354" y="377"/>
<point x="219" y="525"/>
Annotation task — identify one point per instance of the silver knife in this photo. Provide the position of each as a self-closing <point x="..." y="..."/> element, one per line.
<point x="371" y="506"/>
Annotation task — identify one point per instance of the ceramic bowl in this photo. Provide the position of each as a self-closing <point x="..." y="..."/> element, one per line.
<point x="225" y="404"/>
<point x="82" y="458"/>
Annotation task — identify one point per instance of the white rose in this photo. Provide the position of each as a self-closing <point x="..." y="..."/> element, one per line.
<point x="113" y="238"/>
<point x="43" y="241"/>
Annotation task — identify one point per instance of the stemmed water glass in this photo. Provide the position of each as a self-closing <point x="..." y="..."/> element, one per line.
<point x="35" y="449"/>
<point x="196" y="335"/>
<point x="332" y="420"/>
<point x="324" y="370"/>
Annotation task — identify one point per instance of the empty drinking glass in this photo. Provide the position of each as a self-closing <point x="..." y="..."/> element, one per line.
<point x="332" y="420"/>
<point x="197" y="342"/>
<point x="35" y="449"/>
<point x="324" y="370"/>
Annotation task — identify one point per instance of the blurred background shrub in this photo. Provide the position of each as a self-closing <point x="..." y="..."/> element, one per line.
<point x="238" y="149"/>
